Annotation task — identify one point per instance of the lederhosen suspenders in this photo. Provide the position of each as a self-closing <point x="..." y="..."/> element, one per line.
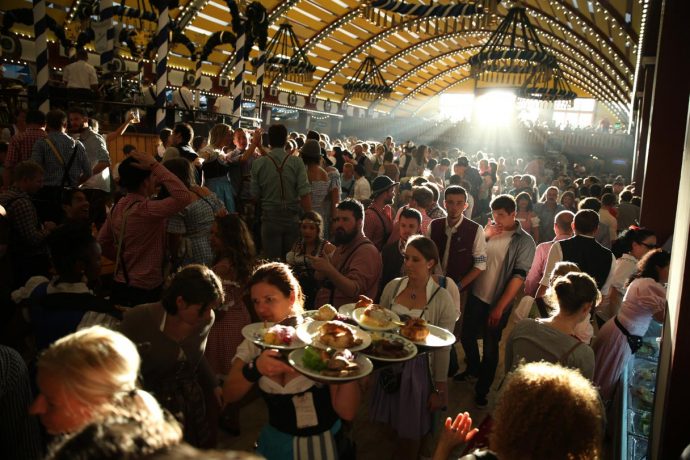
<point x="280" y="176"/>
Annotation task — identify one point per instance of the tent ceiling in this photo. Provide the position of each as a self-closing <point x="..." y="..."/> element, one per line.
<point x="595" y="41"/>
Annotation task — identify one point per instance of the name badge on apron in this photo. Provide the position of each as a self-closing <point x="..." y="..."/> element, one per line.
<point x="305" y="412"/>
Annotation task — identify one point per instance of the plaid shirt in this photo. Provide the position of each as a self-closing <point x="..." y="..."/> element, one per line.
<point x="21" y="146"/>
<point x="27" y="235"/>
<point x="54" y="169"/>
<point x="145" y="231"/>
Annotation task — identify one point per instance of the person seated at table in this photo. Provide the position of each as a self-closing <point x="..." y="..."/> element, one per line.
<point x="304" y="415"/>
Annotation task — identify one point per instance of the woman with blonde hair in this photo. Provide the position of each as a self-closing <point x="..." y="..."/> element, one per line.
<point x="88" y="375"/>
<point x="215" y="166"/>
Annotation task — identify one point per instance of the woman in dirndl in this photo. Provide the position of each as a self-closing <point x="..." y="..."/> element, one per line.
<point x="304" y="416"/>
<point x="407" y="395"/>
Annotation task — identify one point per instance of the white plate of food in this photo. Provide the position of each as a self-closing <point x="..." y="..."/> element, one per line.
<point x="328" y="313"/>
<point x="332" y="365"/>
<point x="271" y="335"/>
<point x="376" y="318"/>
<point x="347" y="309"/>
<point x="419" y="332"/>
<point x="389" y="347"/>
<point x="333" y="334"/>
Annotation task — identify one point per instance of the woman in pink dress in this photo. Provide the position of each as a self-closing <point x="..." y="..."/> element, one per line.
<point x="645" y="299"/>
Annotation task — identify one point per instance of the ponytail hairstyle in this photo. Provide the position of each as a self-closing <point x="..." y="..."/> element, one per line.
<point x="573" y="290"/>
<point x="623" y="244"/>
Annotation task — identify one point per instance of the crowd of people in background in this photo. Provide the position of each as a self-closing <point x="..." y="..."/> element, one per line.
<point x="205" y="236"/>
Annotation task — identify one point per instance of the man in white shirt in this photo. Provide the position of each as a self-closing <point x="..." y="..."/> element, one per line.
<point x="183" y="99"/>
<point x="223" y="105"/>
<point x="80" y="74"/>
<point x="362" y="187"/>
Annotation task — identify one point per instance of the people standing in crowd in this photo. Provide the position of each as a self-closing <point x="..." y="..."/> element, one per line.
<point x="526" y="216"/>
<point x="568" y="201"/>
<point x="406" y="396"/>
<point x="21" y="144"/>
<point x="546" y="210"/>
<point x="362" y="188"/>
<point x="393" y="253"/>
<point x="621" y="336"/>
<point x="181" y="144"/>
<point x="608" y="214"/>
<point x="460" y="241"/>
<point x="355" y="266"/>
<point x="469" y="173"/>
<point x="240" y="160"/>
<point x="603" y="236"/>
<point x="275" y="295"/>
<point x="582" y="249"/>
<point x="628" y="213"/>
<point x="215" y="165"/>
<point x="64" y="163"/>
<point x="165" y="140"/>
<point x="96" y="187"/>
<point x="171" y="337"/>
<point x="325" y="193"/>
<point x="347" y="182"/>
<point x="421" y="200"/>
<point x="563" y="228"/>
<point x="378" y="221"/>
<point x="435" y="211"/>
<point x="632" y="245"/>
<point x="388" y="168"/>
<point x="361" y="159"/>
<point x="279" y="183"/>
<point x="311" y="243"/>
<point x="554" y="339"/>
<point x="417" y="163"/>
<point x="133" y="235"/>
<point x="189" y="230"/>
<point x="27" y="242"/>
<point x="509" y="254"/>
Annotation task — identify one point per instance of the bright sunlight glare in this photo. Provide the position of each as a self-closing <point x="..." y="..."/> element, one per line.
<point x="496" y="108"/>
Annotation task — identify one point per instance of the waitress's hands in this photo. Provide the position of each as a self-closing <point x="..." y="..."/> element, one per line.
<point x="270" y="364"/>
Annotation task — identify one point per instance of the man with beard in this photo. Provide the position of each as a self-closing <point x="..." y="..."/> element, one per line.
<point x="378" y="224"/>
<point x="355" y="266"/>
<point x="97" y="187"/>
